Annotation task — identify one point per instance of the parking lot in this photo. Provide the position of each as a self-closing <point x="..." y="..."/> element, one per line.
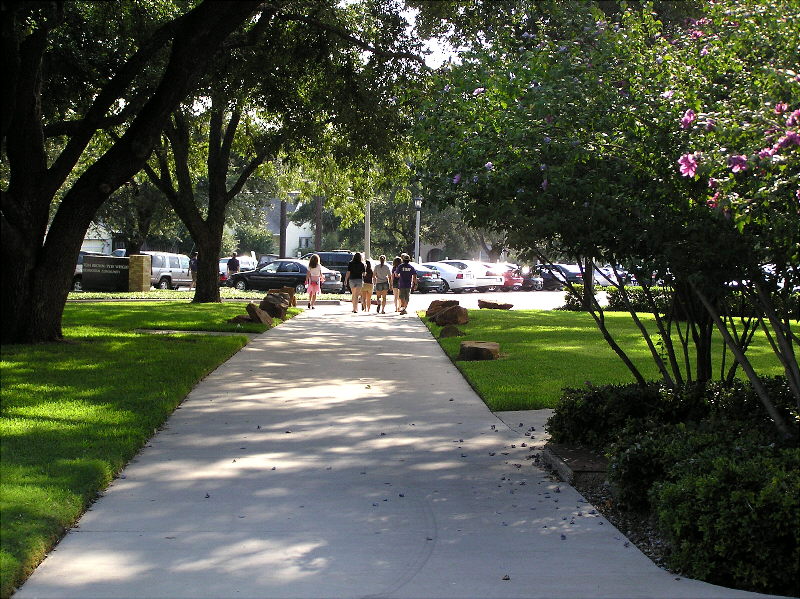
<point x="522" y="300"/>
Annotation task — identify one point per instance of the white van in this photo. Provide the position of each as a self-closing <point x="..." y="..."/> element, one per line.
<point x="169" y="271"/>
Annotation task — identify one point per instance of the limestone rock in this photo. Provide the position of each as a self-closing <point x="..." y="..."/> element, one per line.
<point x="276" y="304"/>
<point x="451" y="330"/>
<point x="492" y="305"/>
<point x="240" y="319"/>
<point x="451" y="315"/>
<point x="437" y="306"/>
<point x="479" y="350"/>
<point x="258" y="315"/>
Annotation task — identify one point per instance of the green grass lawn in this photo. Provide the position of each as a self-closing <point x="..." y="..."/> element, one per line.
<point x="73" y="413"/>
<point x="545" y="351"/>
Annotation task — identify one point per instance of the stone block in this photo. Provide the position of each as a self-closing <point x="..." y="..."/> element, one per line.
<point x="451" y="330"/>
<point x="452" y="315"/>
<point x="493" y="305"/>
<point x="258" y="315"/>
<point x="479" y="350"/>
<point x="437" y="306"/>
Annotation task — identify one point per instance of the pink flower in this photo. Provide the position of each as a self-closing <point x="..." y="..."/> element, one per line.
<point x="797" y="193"/>
<point x="766" y="153"/>
<point x="478" y="91"/>
<point x="688" y="118"/>
<point x="738" y="163"/>
<point x="794" y="119"/>
<point x="713" y="201"/>
<point x="488" y="166"/>
<point x="688" y="164"/>
<point x="713" y="183"/>
<point x="781" y="107"/>
<point x="710" y="124"/>
<point x="704" y="51"/>
<point x="457" y="178"/>
<point x="668" y="94"/>
<point x="696" y="34"/>
<point x="787" y="140"/>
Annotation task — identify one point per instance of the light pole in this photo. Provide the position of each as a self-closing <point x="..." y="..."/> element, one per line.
<point x="367" y="225"/>
<point x="285" y="222"/>
<point x="417" y="207"/>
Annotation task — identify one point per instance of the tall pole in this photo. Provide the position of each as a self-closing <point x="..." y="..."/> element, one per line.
<point x="366" y="231"/>
<point x="284" y="224"/>
<point x="418" y="208"/>
<point x="318" y="224"/>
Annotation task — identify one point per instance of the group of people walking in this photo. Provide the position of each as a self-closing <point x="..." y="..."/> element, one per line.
<point x="363" y="279"/>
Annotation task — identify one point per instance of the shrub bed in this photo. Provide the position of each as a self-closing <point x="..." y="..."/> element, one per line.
<point x="709" y="465"/>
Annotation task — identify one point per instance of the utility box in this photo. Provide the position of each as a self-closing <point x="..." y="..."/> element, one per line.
<point x="139" y="272"/>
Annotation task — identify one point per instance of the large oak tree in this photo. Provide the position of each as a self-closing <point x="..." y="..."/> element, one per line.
<point x="70" y="70"/>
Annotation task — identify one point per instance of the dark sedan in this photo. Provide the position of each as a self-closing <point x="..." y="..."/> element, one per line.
<point x="428" y="280"/>
<point x="283" y="273"/>
<point x="554" y="276"/>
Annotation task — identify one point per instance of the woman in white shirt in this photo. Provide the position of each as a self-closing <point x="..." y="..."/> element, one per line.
<point x="313" y="279"/>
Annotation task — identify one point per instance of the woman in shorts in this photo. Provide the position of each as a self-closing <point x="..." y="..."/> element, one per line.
<point x="383" y="282"/>
<point x="355" y="278"/>
<point x="313" y="279"/>
<point x="395" y="278"/>
<point x="366" y="289"/>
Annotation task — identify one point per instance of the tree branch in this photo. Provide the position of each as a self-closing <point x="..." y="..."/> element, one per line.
<point x="346" y="35"/>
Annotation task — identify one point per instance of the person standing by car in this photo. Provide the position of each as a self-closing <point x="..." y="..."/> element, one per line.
<point x="314" y="278"/>
<point x="366" y="290"/>
<point x="355" y="278"/>
<point x="383" y="281"/>
<point x="193" y="270"/>
<point x="407" y="282"/>
<point x="233" y="265"/>
<point x="395" y="280"/>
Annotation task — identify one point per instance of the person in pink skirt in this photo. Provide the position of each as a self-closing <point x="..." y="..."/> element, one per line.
<point x="313" y="279"/>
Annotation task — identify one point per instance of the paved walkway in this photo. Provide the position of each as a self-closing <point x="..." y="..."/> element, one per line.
<point x="342" y="455"/>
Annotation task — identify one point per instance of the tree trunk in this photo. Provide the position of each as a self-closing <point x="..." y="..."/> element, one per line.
<point x="209" y="246"/>
<point x="37" y="272"/>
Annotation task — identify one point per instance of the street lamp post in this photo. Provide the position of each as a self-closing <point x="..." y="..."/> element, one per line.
<point x="417" y="207"/>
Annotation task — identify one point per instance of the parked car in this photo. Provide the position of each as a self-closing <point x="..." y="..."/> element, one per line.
<point x="283" y="273"/>
<point x="532" y="279"/>
<point x="453" y="278"/>
<point x="168" y="270"/>
<point x="512" y="277"/>
<point x="554" y="276"/>
<point x="485" y="278"/>
<point x="245" y="263"/>
<point x="335" y="260"/>
<point x="428" y="279"/>
<point x="77" y="277"/>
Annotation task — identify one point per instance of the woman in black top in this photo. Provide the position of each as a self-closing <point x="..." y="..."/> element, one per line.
<point x="355" y="278"/>
<point x="366" y="290"/>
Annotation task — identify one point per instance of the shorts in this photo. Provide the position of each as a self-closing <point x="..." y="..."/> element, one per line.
<point x="356" y="283"/>
<point x="367" y="288"/>
<point x="381" y="287"/>
<point x="194" y="276"/>
<point x="405" y="293"/>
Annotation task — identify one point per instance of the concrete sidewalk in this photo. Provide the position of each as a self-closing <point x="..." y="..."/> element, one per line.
<point x="343" y="455"/>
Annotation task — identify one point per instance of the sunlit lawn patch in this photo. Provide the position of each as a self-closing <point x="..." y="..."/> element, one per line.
<point x="545" y="351"/>
<point x="73" y="413"/>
